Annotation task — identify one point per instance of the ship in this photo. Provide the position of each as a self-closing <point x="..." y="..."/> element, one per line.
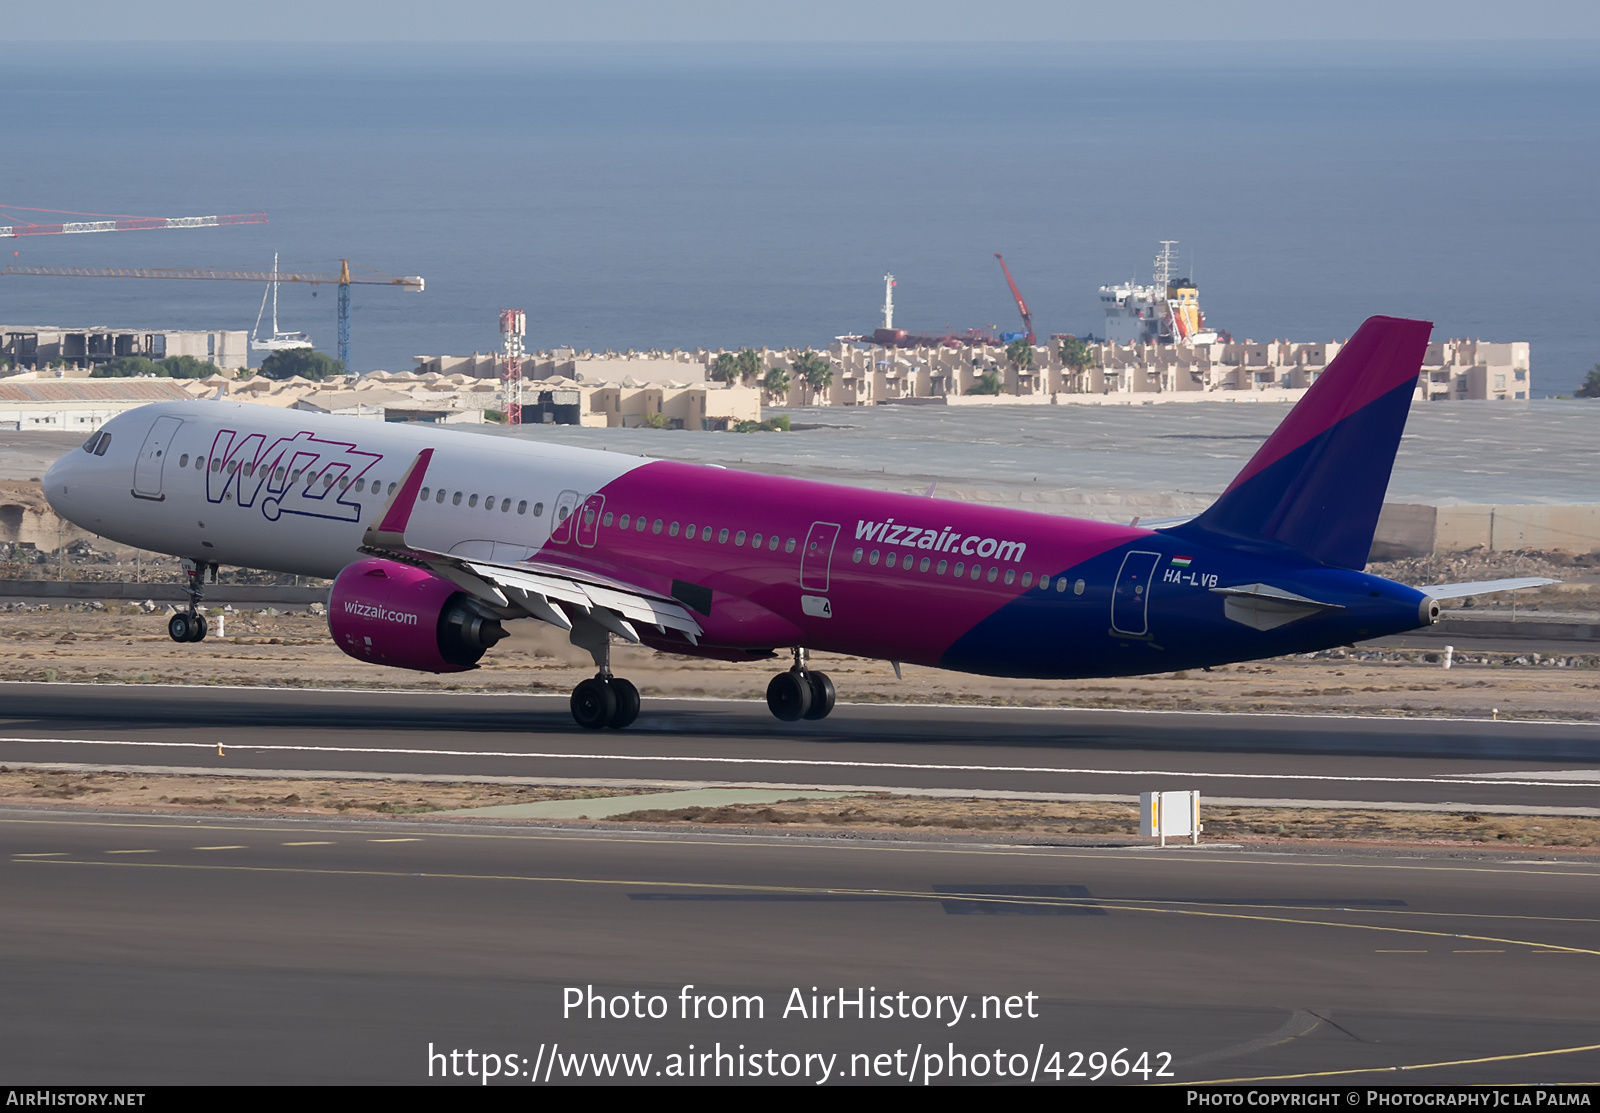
<point x="1165" y="312"/>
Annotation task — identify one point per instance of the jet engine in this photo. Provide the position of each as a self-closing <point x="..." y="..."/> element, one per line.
<point x="390" y="613"/>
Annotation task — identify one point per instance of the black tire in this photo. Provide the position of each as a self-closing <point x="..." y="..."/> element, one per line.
<point x="822" y="695"/>
<point x="593" y="704"/>
<point x="178" y="627"/>
<point x="789" y="696"/>
<point x="198" y="628"/>
<point x="627" y="697"/>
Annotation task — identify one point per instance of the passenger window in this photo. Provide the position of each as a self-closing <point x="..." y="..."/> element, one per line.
<point x="361" y="485"/>
<point x="183" y="461"/>
<point x="993" y="574"/>
<point x="943" y="564"/>
<point x="639" y="523"/>
<point x="233" y="466"/>
<point x="608" y="519"/>
<point x="278" y="475"/>
<point x="755" y="542"/>
<point x="425" y="493"/>
<point x="627" y="520"/>
<point x="249" y="469"/>
<point x="344" y="483"/>
<point x="1044" y="583"/>
<point x="738" y="538"/>
<point x="672" y="530"/>
<point x="656" y="528"/>
<point x="889" y="561"/>
<point x="538" y="509"/>
<point x="922" y="565"/>
<point x="473" y="501"/>
<point x="505" y="506"/>
<point x="455" y="500"/>
<point x="1077" y="588"/>
<point x="688" y="533"/>
<point x="439" y="497"/>
<point x="961" y="568"/>
<point x="1011" y="575"/>
<point x="1061" y="584"/>
<point x="857" y="555"/>
<point x="873" y="559"/>
<point x="976" y="571"/>
<point x="772" y="543"/>
<point x="327" y="480"/>
<point x="788" y="546"/>
<point x="722" y="538"/>
<point x="562" y="513"/>
<point x="1027" y="579"/>
<point x="488" y="503"/>
<point x="588" y="516"/>
<point x="522" y="507"/>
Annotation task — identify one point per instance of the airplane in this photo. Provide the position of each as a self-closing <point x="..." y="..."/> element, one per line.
<point x="434" y="540"/>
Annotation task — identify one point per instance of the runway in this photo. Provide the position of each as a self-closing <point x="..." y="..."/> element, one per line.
<point x="1395" y="761"/>
<point x="147" y="951"/>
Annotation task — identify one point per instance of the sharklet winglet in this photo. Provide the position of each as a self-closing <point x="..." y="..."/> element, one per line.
<point x="390" y="530"/>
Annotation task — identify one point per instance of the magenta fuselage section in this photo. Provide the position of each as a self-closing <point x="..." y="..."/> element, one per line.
<point x="768" y="561"/>
<point x="388" y="614"/>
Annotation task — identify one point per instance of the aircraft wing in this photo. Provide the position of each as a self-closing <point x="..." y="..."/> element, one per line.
<point x="1483" y="587"/>
<point x="545" y="591"/>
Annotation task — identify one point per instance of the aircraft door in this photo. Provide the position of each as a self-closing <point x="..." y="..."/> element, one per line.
<point x="152" y="457"/>
<point x="589" y="520"/>
<point x="1130" y="599"/>
<point x="561" y="517"/>
<point x="817" y="558"/>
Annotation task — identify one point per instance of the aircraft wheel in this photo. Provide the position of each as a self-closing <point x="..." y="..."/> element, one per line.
<point x="198" y="628"/>
<point x="789" y="696"/>
<point x="627" y="697"/>
<point x="178" y="627"/>
<point x="822" y="695"/>
<point x="593" y="704"/>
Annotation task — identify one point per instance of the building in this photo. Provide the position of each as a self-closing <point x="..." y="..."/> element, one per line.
<point x="41" y="347"/>
<point x="79" y="405"/>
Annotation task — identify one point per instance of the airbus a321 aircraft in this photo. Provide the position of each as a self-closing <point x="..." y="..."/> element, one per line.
<point x="435" y="540"/>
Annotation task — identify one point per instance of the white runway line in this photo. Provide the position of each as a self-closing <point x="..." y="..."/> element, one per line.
<point x="1457" y="779"/>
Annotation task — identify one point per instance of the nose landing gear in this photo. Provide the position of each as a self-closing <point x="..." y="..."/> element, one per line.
<point x="191" y="625"/>
<point x="800" y="693"/>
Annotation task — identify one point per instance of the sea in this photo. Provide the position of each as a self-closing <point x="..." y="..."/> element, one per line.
<point x="677" y="196"/>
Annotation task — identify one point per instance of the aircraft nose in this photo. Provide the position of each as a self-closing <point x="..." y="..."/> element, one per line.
<point x="58" y="482"/>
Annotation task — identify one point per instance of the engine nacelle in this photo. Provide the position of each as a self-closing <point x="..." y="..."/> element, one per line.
<point x="389" y="613"/>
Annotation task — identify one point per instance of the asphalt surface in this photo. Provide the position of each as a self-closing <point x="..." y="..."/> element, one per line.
<point x="148" y="950"/>
<point x="1531" y="765"/>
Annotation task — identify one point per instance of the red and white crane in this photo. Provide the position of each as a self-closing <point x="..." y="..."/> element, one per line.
<point x="109" y="222"/>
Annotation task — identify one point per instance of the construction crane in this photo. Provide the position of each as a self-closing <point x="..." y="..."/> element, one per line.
<point x="109" y="222"/>
<point x="342" y="280"/>
<point x="1022" y="306"/>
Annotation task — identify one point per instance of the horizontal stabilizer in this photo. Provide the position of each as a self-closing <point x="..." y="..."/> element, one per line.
<point x="1483" y="587"/>
<point x="1264" y="607"/>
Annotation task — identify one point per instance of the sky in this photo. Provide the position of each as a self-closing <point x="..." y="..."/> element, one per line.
<point x="853" y="21"/>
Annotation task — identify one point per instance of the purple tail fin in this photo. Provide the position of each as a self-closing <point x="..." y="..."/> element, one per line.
<point x="1317" y="485"/>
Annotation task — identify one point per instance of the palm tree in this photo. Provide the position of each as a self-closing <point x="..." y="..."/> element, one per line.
<point x="1591" y="385"/>
<point x="749" y="364"/>
<point x="724" y="369"/>
<point x="777" y="382"/>
<point x="815" y="371"/>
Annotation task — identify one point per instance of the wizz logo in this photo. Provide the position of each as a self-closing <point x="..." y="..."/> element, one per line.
<point x="301" y="474"/>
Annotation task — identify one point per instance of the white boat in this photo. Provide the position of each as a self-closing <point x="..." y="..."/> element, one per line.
<point x="280" y="341"/>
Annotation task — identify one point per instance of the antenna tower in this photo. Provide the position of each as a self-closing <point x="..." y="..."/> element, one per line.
<point x="1164" y="267"/>
<point x="513" y="327"/>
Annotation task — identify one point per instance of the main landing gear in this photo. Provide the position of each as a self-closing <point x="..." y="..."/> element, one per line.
<point x="800" y="693"/>
<point x="603" y="700"/>
<point x="191" y="625"/>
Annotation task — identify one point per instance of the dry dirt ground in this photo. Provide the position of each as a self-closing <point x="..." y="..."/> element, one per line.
<point x="865" y="814"/>
<point x="293" y="649"/>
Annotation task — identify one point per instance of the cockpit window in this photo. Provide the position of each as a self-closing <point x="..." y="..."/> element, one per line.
<point x="105" y="443"/>
<point x="94" y="439"/>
